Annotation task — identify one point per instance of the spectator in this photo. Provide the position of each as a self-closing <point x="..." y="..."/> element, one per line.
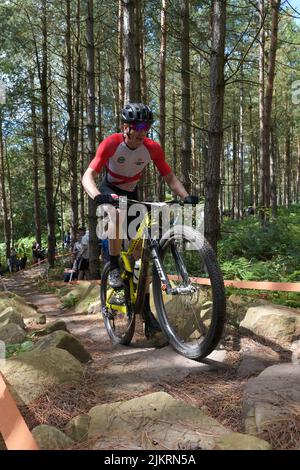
<point x="77" y="245"/>
<point x="71" y="273"/>
<point x="67" y="240"/>
<point x="35" y="250"/>
<point x="22" y="256"/>
<point x="250" y="210"/>
<point x="37" y="254"/>
<point x="12" y="260"/>
<point x="83" y="258"/>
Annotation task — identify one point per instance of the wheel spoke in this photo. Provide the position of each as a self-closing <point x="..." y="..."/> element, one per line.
<point x="192" y="318"/>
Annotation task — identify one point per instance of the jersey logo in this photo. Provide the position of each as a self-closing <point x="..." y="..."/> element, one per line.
<point x="139" y="162"/>
<point x="121" y="160"/>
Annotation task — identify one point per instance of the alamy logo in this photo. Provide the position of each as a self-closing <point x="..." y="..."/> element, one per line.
<point x="163" y="218"/>
<point x="2" y="93"/>
<point x="296" y="92"/>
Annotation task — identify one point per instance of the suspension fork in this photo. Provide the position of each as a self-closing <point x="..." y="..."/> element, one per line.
<point x="154" y="248"/>
<point x="180" y="264"/>
<point x="142" y="283"/>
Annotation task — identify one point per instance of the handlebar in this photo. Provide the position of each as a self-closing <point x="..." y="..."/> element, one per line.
<point x="117" y="199"/>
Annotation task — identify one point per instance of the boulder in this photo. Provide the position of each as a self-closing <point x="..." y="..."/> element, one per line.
<point x="155" y="421"/>
<point x="11" y="315"/>
<point x="41" y="319"/>
<point x="29" y="374"/>
<point x="237" y="441"/>
<point x="255" y="357"/>
<point x="94" y="308"/>
<point x="271" y="398"/>
<point x="295" y="348"/>
<point x="88" y="298"/>
<point x="50" y="438"/>
<point x="58" y="325"/>
<point x="237" y="306"/>
<point x="273" y="322"/>
<point x="8" y="299"/>
<point x="63" y="340"/>
<point x="12" y="333"/>
<point x="78" y="428"/>
<point x="77" y="293"/>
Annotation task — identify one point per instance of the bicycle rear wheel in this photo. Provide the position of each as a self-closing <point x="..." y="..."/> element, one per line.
<point x="193" y="318"/>
<point x="119" y="321"/>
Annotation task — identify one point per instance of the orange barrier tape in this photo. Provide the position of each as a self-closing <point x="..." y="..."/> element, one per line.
<point x="62" y="283"/>
<point x="257" y="285"/>
<point x="13" y="428"/>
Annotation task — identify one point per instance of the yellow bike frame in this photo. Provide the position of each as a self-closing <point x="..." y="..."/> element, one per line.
<point x="125" y="256"/>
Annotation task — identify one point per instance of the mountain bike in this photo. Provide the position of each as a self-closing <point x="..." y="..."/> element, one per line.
<point x="187" y="286"/>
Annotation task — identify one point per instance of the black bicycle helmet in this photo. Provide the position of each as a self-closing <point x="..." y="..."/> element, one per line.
<point x="137" y="112"/>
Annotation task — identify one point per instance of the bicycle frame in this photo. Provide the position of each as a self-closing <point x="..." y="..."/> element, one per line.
<point x="150" y="248"/>
<point x="136" y="292"/>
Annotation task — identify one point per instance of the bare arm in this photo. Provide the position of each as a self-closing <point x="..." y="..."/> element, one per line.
<point x="175" y="185"/>
<point x="89" y="184"/>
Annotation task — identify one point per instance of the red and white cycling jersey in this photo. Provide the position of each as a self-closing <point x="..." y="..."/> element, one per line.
<point x="124" y="165"/>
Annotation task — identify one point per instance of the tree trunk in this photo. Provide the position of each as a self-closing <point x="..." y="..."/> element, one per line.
<point x="235" y="179"/>
<point x="273" y="174"/>
<point x="144" y="87"/>
<point x="217" y="87"/>
<point x="91" y="138"/>
<point x="137" y="37"/>
<point x="3" y="203"/>
<point x="298" y="172"/>
<point x="82" y="161"/>
<point x="241" y="150"/>
<point x="288" y="167"/>
<point x="10" y="191"/>
<point x="121" y="62"/>
<point x="70" y="109"/>
<point x="162" y="83"/>
<point x="130" y="53"/>
<point x="99" y="114"/>
<point x="35" y="169"/>
<point x="174" y="132"/>
<point x="266" y="183"/>
<point x="186" y="99"/>
<point x="261" y="107"/>
<point x="48" y="163"/>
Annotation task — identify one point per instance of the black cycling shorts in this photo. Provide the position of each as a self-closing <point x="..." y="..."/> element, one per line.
<point x="107" y="188"/>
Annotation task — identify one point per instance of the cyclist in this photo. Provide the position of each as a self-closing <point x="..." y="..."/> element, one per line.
<point x="125" y="156"/>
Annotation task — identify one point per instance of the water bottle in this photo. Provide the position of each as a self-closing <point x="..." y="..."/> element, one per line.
<point x="136" y="271"/>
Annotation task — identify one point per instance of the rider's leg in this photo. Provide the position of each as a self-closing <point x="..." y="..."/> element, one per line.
<point x="115" y="242"/>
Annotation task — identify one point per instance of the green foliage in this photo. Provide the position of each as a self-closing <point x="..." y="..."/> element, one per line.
<point x="247" y="238"/>
<point x="16" y="349"/>
<point x="249" y="252"/>
<point x="70" y="301"/>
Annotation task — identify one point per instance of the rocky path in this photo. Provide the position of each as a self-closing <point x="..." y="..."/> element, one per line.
<point x="118" y="373"/>
<point x="124" y="370"/>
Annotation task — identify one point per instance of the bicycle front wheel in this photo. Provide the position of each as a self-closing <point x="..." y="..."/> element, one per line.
<point x="193" y="315"/>
<point x="117" y="311"/>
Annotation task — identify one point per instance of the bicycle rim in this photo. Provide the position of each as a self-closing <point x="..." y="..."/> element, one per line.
<point x="193" y="322"/>
<point x="119" y="325"/>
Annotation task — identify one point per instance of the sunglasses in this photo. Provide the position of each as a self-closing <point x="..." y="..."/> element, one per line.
<point x="140" y="126"/>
